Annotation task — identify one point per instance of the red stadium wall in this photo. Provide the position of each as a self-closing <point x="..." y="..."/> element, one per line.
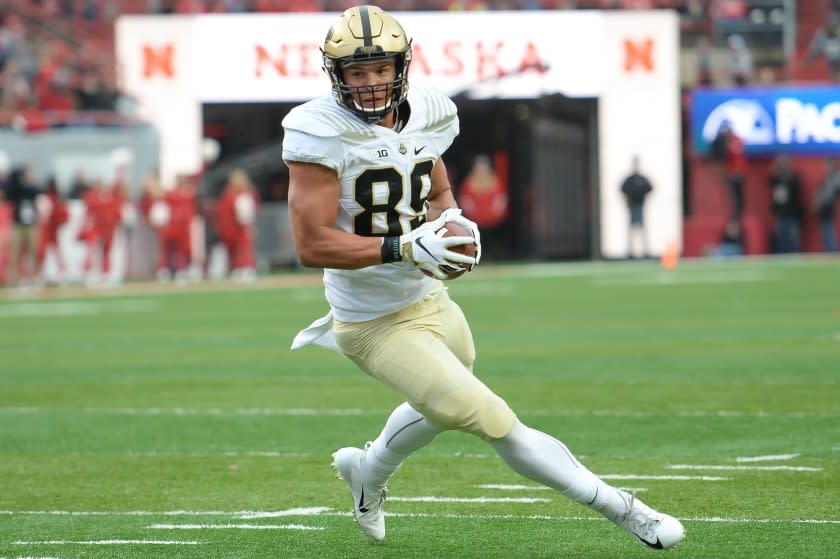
<point x="710" y="206"/>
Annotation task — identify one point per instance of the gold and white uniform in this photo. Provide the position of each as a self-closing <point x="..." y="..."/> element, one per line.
<point x="394" y="322"/>
<point x="385" y="181"/>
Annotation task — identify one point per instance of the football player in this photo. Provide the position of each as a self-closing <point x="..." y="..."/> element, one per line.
<point x="368" y="193"/>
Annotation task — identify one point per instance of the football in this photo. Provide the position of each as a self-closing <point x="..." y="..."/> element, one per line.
<point x="452" y="229"/>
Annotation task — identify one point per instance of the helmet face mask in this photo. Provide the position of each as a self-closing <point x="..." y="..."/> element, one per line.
<point x="371" y="96"/>
<point x="362" y="35"/>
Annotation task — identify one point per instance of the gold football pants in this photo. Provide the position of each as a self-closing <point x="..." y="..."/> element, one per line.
<point x="426" y="353"/>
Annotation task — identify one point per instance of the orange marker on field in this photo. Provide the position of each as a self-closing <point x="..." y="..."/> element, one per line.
<point x="670" y="256"/>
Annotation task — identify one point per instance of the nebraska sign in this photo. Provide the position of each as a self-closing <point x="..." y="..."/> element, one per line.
<point x="627" y="60"/>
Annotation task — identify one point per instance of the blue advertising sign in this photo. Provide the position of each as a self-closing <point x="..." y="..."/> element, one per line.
<point x="790" y="119"/>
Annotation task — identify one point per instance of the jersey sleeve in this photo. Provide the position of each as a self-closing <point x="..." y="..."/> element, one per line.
<point x="309" y="140"/>
<point x="441" y="118"/>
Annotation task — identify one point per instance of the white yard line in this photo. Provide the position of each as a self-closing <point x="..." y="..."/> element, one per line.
<point x="743" y="468"/>
<point x="234" y="527"/>
<point x="107" y="542"/>
<point x="316" y="412"/>
<point x="230" y="454"/>
<point x="669" y="278"/>
<point x="513" y="487"/>
<point x="279" y="454"/>
<point x="194" y="411"/>
<point x="767" y="457"/>
<point x="664" y="478"/>
<point x="714" y="519"/>
<point x="430" y="499"/>
<point x="328" y="512"/>
<point x="303" y="511"/>
<point x="74" y="308"/>
<point x="759" y="520"/>
<point x="120" y="513"/>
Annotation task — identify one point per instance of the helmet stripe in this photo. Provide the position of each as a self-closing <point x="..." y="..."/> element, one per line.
<point x="365" y="17"/>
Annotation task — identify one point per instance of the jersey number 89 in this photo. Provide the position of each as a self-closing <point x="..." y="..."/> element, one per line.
<point x="388" y="218"/>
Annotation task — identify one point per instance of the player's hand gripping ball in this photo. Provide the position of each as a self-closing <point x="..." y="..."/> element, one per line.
<point x="452" y="229"/>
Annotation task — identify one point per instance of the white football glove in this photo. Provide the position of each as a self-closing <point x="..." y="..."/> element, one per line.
<point x="428" y="249"/>
<point x="454" y="215"/>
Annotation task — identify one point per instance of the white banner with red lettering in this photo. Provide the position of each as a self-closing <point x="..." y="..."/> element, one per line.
<point x="628" y="60"/>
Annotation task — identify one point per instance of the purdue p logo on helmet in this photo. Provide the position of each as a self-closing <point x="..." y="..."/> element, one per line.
<point x="367" y="34"/>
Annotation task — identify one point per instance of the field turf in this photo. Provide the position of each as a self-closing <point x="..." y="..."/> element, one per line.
<point x="149" y="422"/>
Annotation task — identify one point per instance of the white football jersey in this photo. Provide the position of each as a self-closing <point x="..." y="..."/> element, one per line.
<point x="385" y="183"/>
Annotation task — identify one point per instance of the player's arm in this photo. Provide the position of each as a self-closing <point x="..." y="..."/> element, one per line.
<point x="313" y="206"/>
<point x="441" y="196"/>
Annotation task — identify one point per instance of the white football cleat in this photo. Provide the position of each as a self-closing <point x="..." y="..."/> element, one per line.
<point x="367" y="502"/>
<point x="654" y="529"/>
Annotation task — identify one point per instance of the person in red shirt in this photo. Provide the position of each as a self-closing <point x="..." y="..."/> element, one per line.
<point x="54" y="215"/>
<point x="103" y="214"/>
<point x="483" y="197"/>
<point x="182" y="205"/>
<point x="236" y="216"/>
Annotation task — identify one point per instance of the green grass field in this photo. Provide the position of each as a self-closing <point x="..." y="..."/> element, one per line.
<point x="142" y="423"/>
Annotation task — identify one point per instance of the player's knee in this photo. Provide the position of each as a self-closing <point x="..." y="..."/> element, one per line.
<point x="450" y="411"/>
<point x="495" y="418"/>
<point x="476" y="411"/>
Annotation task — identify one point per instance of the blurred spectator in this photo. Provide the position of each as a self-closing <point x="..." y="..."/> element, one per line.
<point x="731" y="241"/>
<point x="705" y="63"/>
<point x="15" y="92"/>
<point x="155" y="209"/>
<point x="182" y="205"/>
<point x="826" y="43"/>
<point x="466" y="5"/>
<point x="79" y="185"/>
<point x="128" y="214"/>
<point x="729" y="148"/>
<point x="483" y="197"/>
<point x="236" y="216"/>
<point x="22" y="193"/>
<point x="71" y="72"/>
<point x="55" y="94"/>
<point x="731" y="9"/>
<point x="636" y="188"/>
<point x="53" y="215"/>
<point x="5" y="162"/>
<point x="825" y="204"/>
<point x="766" y="76"/>
<point x="103" y="215"/>
<point x="740" y="61"/>
<point x="94" y="93"/>
<point x="786" y="205"/>
<point x="638" y="4"/>
<point x="15" y="44"/>
<point x="288" y="6"/>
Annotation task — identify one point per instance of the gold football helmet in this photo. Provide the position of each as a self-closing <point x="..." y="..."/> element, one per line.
<point x="367" y="34"/>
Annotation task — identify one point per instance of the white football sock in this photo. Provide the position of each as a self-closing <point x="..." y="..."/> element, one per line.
<point x="406" y="431"/>
<point x="544" y="459"/>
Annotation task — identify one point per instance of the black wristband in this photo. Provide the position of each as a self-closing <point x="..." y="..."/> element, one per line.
<point x="390" y="250"/>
